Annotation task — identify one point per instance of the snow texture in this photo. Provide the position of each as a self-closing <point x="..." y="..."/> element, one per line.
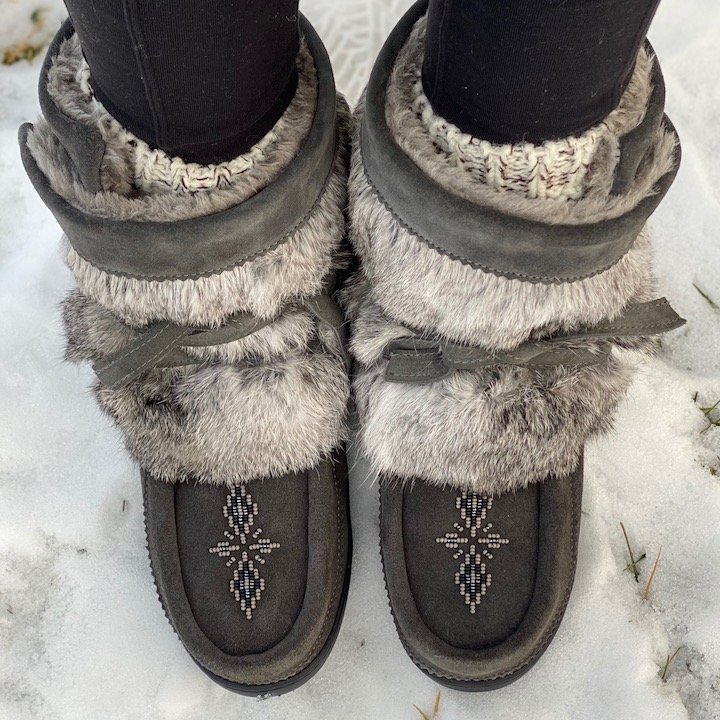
<point x="82" y="635"/>
<point x="28" y="23"/>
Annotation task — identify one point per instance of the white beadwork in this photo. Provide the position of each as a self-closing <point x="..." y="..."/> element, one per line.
<point x="472" y="540"/>
<point x="246" y="584"/>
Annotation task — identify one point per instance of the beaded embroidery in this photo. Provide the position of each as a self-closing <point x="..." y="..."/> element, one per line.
<point x="472" y="541"/>
<point x="247" y="584"/>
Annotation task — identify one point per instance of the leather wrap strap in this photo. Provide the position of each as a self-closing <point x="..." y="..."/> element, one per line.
<point x="483" y="237"/>
<point x="421" y="360"/>
<point x="163" y="344"/>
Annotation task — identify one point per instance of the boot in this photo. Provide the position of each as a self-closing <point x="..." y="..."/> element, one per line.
<point x="204" y="300"/>
<point x="504" y="296"/>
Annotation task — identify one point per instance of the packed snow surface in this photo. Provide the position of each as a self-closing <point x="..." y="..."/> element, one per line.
<point x="82" y="634"/>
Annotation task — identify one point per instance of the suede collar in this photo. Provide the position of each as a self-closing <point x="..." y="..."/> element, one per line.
<point x="483" y="237"/>
<point x="187" y="249"/>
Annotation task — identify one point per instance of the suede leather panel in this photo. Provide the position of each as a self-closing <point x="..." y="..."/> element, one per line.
<point x="428" y="513"/>
<point x="201" y="524"/>
<point x="84" y="144"/>
<point x="171" y="250"/>
<point x="327" y="572"/>
<point x="634" y="145"/>
<point x="558" y="521"/>
<point x="482" y="237"/>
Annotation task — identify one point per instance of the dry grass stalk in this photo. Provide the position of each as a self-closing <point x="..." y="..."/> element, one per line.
<point x="632" y="566"/>
<point x="651" y="577"/>
<point x="666" y="667"/>
<point x="435" y="711"/>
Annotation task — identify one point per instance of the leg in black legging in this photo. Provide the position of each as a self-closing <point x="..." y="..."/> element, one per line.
<point x="512" y="70"/>
<point x="202" y="80"/>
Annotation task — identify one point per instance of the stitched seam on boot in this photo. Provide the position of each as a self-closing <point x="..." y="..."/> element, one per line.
<point x="542" y="643"/>
<point x="478" y="266"/>
<point x="320" y="642"/>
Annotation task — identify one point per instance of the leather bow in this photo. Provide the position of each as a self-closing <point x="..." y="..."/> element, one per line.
<point x="422" y="360"/>
<point x="162" y="344"/>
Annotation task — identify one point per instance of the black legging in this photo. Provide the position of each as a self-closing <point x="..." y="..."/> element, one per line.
<point x="206" y="79"/>
<point x="202" y="79"/>
<point x="509" y="70"/>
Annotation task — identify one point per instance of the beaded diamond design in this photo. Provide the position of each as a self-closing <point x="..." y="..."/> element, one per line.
<point x="473" y="541"/>
<point x="244" y="549"/>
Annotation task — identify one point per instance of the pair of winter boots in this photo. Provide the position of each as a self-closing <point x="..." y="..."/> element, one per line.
<point x="502" y="298"/>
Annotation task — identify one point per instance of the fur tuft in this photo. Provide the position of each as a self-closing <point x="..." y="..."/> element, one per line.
<point x="278" y="408"/>
<point x="490" y="431"/>
<point x="225" y="424"/>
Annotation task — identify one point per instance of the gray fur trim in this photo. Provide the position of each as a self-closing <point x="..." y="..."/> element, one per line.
<point x="262" y="286"/>
<point x="491" y="432"/>
<point x="427" y="290"/>
<point x="280" y="407"/>
<point x="225" y="424"/>
<point x="488" y="431"/>
<point x="423" y="288"/>
<point x="268" y="404"/>
<point x="94" y="332"/>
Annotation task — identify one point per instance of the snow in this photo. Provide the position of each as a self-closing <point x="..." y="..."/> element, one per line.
<point x="81" y="632"/>
<point x="28" y="22"/>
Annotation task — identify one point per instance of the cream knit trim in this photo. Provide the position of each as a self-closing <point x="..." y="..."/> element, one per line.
<point x="154" y="172"/>
<point x="550" y="170"/>
<point x="122" y="199"/>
